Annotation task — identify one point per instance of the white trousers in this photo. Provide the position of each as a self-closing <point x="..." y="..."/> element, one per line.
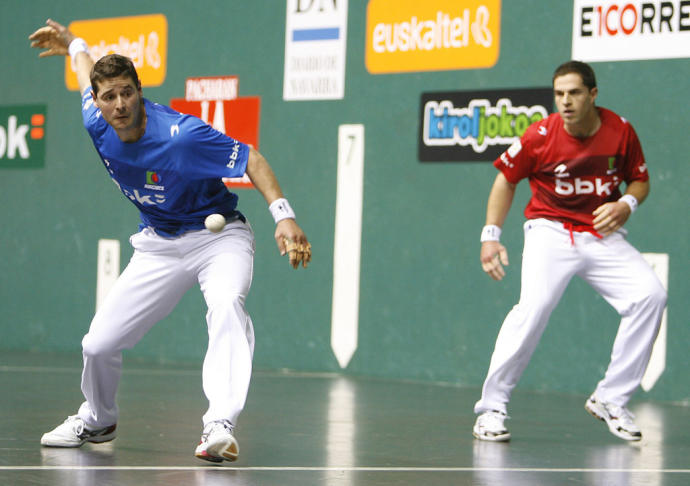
<point x="158" y="275"/>
<point x="616" y="270"/>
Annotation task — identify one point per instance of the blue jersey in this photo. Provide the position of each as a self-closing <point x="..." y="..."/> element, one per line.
<point x="173" y="172"/>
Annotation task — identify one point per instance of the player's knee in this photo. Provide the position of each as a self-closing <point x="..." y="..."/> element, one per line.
<point x="537" y="307"/>
<point x="651" y="298"/>
<point x="229" y="309"/>
<point x="92" y="346"/>
<point x="657" y="296"/>
<point x="226" y="302"/>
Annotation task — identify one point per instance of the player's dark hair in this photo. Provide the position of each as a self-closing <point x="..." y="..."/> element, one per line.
<point x="112" y="66"/>
<point x="578" y="67"/>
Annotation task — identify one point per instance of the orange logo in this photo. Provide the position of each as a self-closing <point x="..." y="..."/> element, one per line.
<point x="142" y="38"/>
<point x="434" y="35"/>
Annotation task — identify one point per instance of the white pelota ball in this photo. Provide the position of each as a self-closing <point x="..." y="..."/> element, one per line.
<point x="214" y="222"/>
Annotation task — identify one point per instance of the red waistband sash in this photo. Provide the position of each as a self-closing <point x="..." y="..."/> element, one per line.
<point x="579" y="228"/>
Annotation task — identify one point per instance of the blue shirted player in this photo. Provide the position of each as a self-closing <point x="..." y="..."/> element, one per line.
<point x="173" y="172"/>
<point x="170" y="166"/>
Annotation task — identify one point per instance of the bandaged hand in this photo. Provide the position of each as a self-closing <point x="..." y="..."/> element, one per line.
<point x="292" y="241"/>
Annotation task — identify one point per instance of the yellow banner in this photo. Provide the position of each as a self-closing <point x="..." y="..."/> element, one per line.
<point x="434" y="35"/>
<point x="142" y="38"/>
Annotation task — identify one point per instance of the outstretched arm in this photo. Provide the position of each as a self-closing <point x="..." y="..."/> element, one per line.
<point x="493" y="254"/>
<point x="289" y="236"/>
<point x="55" y="38"/>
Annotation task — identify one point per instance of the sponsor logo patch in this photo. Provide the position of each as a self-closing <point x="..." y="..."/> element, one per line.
<point x="153" y="180"/>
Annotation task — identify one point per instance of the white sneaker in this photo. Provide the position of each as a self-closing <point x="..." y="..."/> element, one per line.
<point x="489" y="426"/>
<point x="619" y="419"/>
<point x="217" y="442"/>
<point x="73" y="433"/>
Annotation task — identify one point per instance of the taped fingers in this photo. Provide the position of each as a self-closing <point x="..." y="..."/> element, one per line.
<point x="292" y="247"/>
<point x="298" y="252"/>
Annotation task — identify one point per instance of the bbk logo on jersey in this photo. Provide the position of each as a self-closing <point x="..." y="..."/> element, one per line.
<point x="477" y="125"/>
<point x="580" y="185"/>
<point x="232" y="159"/>
<point x="140" y="197"/>
<point x="566" y="185"/>
<point x="136" y="196"/>
<point x="22" y="136"/>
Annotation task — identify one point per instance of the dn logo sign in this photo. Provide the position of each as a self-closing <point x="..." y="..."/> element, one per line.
<point x="315" y="6"/>
<point x="22" y="136"/>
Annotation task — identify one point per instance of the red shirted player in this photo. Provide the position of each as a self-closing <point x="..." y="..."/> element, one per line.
<point x="575" y="161"/>
<point x="570" y="176"/>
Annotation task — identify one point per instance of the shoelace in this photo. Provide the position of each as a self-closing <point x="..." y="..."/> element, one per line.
<point x="76" y="423"/>
<point x="495" y="419"/>
<point x="219" y="425"/>
<point x="623" y="415"/>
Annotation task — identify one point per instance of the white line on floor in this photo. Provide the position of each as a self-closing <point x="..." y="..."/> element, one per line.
<point x="346" y="468"/>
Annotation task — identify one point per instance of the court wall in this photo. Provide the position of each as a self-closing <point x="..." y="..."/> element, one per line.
<point x="426" y="309"/>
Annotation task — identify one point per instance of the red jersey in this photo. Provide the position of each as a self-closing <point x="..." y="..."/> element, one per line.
<point x="570" y="177"/>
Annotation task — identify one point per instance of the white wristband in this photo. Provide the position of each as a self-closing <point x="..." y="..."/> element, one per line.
<point x="280" y="209"/>
<point x="630" y="200"/>
<point x="490" y="232"/>
<point x="75" y="47"/>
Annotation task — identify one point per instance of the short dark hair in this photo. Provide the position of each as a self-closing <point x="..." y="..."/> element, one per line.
<point x="578" y="67"/>
<point x="112" y="66"/>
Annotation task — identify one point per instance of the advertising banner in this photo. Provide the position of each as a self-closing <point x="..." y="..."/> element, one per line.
<point x="433" y="35"/>
<point x="315" y="46"/>
<point x="142" y="38"/>
<point x="22" y="136"/>
<point x="466" y="126"/>
<point x="610" y="30"/>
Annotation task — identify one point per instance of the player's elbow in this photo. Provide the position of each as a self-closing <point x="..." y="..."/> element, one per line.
<point x="255" y="161"/>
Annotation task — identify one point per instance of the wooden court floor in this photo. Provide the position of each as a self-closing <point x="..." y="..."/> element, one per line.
<point x="323" y="429"/>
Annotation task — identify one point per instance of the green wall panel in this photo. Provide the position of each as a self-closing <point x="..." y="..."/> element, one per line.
<point x="427" y="311"/>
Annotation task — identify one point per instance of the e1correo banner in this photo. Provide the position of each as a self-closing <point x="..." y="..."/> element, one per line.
<point x="614" y="30"/>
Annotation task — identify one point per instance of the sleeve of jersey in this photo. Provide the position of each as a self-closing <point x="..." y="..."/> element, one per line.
<point x="635" y="166"/>
<point x="213" y="154"/>
<point x="515" y="163"/>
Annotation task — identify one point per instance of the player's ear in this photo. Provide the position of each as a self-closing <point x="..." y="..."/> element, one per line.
<point x="593" y="93"/>
<point x="95" y="100"/>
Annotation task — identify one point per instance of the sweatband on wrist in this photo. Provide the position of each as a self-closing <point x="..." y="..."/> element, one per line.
<point x="490" y="232"/>
<point x="75" y="47"/>
<point x="280" y="209"/>
<point x="630" y="200"/>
